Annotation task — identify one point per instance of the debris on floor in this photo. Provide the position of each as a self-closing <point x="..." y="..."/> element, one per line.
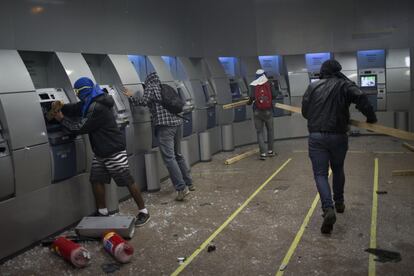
<point x="211" y="247"/>
<point x="384" y="256"/>
<point x="110" y="268"/>
<point x="382" y="192"/>
<point x="181" y="260"/>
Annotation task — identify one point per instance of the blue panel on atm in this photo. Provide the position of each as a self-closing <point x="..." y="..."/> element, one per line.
<point x="229" y="65"/>
<point x="270" y="64"/>
<point x="140" y="65"/>
<point x="371" y="59"/>
<point x="315" y="60"/>
<point x="187" y="124"/>
<point x="211" y="117"/>
<point x="64" y="161"/>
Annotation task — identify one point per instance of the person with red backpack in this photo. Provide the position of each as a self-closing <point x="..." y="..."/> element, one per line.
<point x="261" y="96"/>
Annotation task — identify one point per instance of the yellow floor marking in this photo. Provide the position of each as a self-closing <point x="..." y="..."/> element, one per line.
<point x="373" y="239"/>
<point x="299" y="235"/>
<point x="229" y="219"/>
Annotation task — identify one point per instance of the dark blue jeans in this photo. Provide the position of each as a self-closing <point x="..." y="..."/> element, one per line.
<point x="328" y="149"/>
<point x="169" y="139"/>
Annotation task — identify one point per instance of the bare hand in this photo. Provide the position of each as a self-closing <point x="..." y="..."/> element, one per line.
<point x="127" y="92"/>
<point x="59" y="116"/>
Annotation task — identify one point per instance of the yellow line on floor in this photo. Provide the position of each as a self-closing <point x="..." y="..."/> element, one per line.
<point x="229" y="219"/>
<point x="299" y="235"/>
<point x="373" y="239"/>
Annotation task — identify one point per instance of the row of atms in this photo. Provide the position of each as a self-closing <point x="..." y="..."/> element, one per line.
<point x="44" y="170"/>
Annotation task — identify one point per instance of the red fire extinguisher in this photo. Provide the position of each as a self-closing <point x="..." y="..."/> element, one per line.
<point x="72" y="252"/>
<point x="118" y="247"/>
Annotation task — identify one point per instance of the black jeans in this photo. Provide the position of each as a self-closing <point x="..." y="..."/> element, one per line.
<point x="328" y="149"/>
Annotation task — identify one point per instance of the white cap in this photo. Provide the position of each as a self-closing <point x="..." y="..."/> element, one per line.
<point x="260" y="72"/>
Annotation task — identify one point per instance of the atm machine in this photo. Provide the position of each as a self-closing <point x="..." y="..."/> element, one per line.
<point x="275" y="71"/>
<point x="371" y="77"/>
<point x="190" y="72"/>
<point x="298" y="81"/>
<point x="43" y="170"/>
<point x="216" y="76"/>
<point x="238" y="86"/>
<point x="104" y="70"/>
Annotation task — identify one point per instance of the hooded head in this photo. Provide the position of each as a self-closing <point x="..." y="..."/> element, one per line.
<point x="330" y="68"/>
<point x="86" y="91"/>
<point x="259" y="73"/>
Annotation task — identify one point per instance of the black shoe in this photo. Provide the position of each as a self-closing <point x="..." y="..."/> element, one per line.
<point x="329" y="219"/>
<point x="142" y="219"/>
<point x="271" y="153"/>
<point x="191" y="187"/>
<point x="340" y="207"/>
<point x="263" y="156"/>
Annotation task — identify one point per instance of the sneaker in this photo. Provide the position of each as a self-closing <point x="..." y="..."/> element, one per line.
<point x="182" y="194"/>
<point x="271" y="153"/>
<point x="142" y="219"/>
<point x="340" y="207"/>
<point x="263" y="156"/>
<point x="329" y="219"/>
<point x="191" y="187"/>
<point x="98" y="214"/>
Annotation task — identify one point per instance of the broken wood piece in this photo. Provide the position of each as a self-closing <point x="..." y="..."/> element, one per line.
<point x="241" y="156"/>
<point x="236" y="104"/>
<point x="405" y="135"/>
<point x="402" y="172"/>
<point x="408" y="146"/>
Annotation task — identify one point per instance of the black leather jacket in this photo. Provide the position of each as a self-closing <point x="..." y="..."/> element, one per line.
<point x="326" y="105"/>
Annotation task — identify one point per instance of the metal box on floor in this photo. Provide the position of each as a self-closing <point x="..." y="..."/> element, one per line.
<point x="96" y="227"/>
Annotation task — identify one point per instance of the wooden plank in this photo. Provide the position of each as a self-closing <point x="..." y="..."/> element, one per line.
<point x="241" y="156"/>
<point x="290" y="108"/>
<point x="235" y="104"/>
<point x="408" y="146"/>
<point x="401" y="134"/>
<point x="402" y="172"/>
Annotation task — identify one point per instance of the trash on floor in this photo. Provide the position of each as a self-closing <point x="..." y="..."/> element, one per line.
<point x="382" y="192"/>
<point x="211" y="248"/>
<point x="384" y="256"/>
<point x="110" y="268"/>
<point x="181" y="260"/>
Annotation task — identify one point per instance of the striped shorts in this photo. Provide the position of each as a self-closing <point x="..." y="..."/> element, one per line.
<point x="115" y="166"/>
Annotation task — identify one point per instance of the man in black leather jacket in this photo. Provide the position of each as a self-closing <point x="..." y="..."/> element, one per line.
<point x="326" y="107"/>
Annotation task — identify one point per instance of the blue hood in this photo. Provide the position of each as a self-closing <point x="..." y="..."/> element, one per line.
<point x="88" y="91"/>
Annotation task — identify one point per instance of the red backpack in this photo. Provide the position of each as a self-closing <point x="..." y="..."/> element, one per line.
<point x="263" y="96"/>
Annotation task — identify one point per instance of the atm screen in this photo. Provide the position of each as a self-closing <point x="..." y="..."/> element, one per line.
<point x="235" y="90"/>
<point x="368" y="81"/>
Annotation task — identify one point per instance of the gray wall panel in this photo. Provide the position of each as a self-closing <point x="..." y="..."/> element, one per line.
<point x="398" y="101"/>
<point x="14" y="76"/>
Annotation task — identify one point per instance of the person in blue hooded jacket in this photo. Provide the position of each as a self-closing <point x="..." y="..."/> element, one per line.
<point x="94" y="116"/>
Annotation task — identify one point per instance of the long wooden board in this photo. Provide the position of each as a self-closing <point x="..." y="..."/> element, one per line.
<point x="401" y="134"/>
<point x="402" y="172"/>
<point x="235" y="104"/>
<point x="241" y="156"/>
